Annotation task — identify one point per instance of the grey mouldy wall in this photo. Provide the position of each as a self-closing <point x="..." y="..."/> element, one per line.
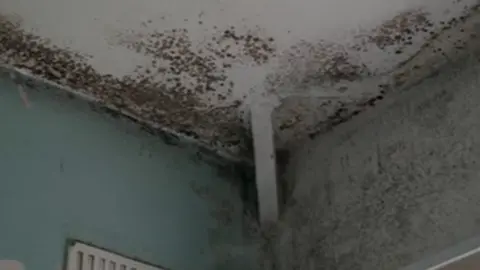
<point x="68" y="172"/>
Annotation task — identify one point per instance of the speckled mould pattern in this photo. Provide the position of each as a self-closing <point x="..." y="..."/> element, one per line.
<point x="175" y="102"/>
<point x="298" y="116"/>
<point x="186" y="89"/>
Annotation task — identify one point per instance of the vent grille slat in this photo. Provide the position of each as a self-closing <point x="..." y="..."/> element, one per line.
<point x="101" y="264"/>
<point x="91" y="262"/>
<point x="113" y="266"/>
<point x="85" y="257"/>
<point x="79" y="261"/>
<point x="85" y="263"/>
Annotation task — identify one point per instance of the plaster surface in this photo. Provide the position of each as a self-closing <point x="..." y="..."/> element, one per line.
<point x="391" y="187"/>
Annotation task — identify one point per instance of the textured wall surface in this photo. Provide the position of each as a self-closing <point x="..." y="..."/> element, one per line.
<point x="67" y="171"/>
<point x="391" y="186"/>
<point x="195" y="68"/>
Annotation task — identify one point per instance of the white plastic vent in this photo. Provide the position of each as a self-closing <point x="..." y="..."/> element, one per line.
<point x="84" y="257"/>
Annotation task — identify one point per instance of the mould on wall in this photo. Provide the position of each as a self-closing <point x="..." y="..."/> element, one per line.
<point x="174" y="101"/>
<point x="432" y="115"/>
<point x="309" y="116"/>
<point x="391" y="161"/>
<point x="223" y="211"/>
<point x="167" y="95"/>
<point x="187" y="85"/>
<point x="200" y="153"/>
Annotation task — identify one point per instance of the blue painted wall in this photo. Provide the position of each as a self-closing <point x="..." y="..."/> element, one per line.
<point x="69" y="172"/>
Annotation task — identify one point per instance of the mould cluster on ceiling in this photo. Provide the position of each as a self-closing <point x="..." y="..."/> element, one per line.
<point x="397" y="32"/>
<point x="186" y="86"/>
<point x="198" y="72"/>
<point x="310" y="64"/>
<point x="170" y="93"/>
<point x="326" y="64"/>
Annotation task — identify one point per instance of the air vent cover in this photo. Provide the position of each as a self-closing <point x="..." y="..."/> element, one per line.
<point x="85" y="257"/>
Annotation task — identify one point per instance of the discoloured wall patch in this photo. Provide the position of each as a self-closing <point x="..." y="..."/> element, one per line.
<point x="458" y="38"/>
<point x="432" y="116"/>
<point x="225" y="212"/>
<point x="299" y="117"/>
<point x="394" y="189"/>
